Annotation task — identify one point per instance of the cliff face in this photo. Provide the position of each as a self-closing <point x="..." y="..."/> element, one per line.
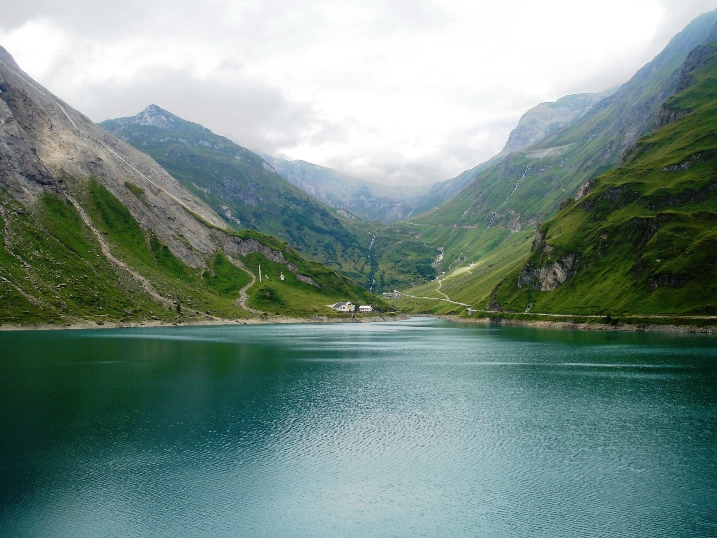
<point x="548" y="277"/>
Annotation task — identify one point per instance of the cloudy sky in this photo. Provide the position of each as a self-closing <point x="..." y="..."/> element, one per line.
<point x="394" y="91"/>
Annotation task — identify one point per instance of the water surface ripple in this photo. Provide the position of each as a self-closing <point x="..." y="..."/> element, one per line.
<point x="418" y="428"/>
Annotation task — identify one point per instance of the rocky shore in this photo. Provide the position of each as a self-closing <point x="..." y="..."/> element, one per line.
<point x="620" y="326"/>
<point x="262" y="320"/>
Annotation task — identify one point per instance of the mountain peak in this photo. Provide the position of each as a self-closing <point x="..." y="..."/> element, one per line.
<point x="7" y="59"/>
<point x="156" y="117"/>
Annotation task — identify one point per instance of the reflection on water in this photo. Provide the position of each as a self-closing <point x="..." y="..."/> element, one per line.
<point x="419" y="428"/>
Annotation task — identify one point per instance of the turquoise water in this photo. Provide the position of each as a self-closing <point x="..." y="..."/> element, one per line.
<point x="417" y="428"/>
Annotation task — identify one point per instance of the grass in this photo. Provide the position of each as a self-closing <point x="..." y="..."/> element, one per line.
<point x="54" y="259"/>
<point x="292" y="297"/>
<point x="224" y="278"/>
<point x="472" y="281"/>
<point x="137" y="191"/>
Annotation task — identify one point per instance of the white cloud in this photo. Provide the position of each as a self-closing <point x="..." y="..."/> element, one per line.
<point x="389" y="90"/>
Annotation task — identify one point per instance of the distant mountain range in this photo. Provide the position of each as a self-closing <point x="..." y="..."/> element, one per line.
<point x="356" y="197"/>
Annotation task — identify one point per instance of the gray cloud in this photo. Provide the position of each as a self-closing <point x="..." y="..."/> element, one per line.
<point x="252" y="114"/>
<point x="395" y="91"/>
<point x="82" y="16"/>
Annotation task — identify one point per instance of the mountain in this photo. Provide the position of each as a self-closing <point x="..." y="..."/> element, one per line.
<point x="95" y="230"/>
<point x="534" y="126"/>
<point x="520" y="190"/>
<point x="247" y="191"/>
<point x="641" y="239"/>
<point x="546" y="118"/>
<point x="528" y="185"/>
<point x="366" y="200"/>
<point x="486" y="231"/>
<point x="356" y="197"/>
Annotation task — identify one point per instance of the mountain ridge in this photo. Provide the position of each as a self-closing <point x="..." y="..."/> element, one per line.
<point x="643" y="238"/>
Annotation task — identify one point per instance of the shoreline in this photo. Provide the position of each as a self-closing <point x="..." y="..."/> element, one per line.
<point x="214" y="322"/>
<point x="585" y="326"/>
<point x="281" y="320"/>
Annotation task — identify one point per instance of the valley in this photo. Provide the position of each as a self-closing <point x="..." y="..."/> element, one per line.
<point x="600" y="206"/>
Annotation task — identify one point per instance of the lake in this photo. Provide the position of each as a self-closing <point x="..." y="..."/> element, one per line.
<point x="414" y="428"/>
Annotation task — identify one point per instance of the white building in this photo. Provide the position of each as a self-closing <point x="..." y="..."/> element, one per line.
<point x="343" y="307"/>
<point x="365" y="308"/>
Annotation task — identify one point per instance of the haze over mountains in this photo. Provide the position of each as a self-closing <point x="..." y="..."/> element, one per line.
<point x="247" y="191"/>
<point x="170" y="217"/>
<point x="363" y="199"/>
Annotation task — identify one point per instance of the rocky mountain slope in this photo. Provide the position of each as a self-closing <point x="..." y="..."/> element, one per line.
<point x="94" y="229"/>
<point x="546" y="118"/>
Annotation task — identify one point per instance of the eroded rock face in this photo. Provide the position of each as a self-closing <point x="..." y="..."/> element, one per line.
<point x="548" y="277"/>
<point x="584" y="190"/>
<point x="22" y="173"/>
<point x="236" y="246"/>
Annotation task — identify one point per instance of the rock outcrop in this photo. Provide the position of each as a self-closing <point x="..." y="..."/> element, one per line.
<point x="549" y="276"/>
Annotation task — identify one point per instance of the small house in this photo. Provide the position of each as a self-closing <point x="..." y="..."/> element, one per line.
<point x="365" y="308"/>
<point x="343" y="307"/>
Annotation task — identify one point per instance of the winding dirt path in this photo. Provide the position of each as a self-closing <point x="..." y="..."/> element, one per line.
<point x="438" y="289"/>
<point x="143" y="282"/>
<point x="243" y="296"/>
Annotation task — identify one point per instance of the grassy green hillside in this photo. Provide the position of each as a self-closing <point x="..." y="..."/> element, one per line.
<point x="53" y="270"/>
<point x="644" y="239"/>
<point x="471" y="285"/>
<point x="488" y="223"/>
